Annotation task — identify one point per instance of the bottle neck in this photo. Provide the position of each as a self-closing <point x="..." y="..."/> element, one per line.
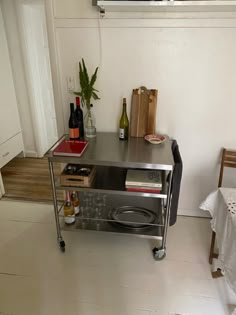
<point x="71" y="108"/>
<point x="124" y="108"/>
<point x="77" y="101"/>
<point x="67" y="196"/>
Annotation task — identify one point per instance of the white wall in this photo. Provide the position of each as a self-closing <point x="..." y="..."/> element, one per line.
<point x="190" y="61"/>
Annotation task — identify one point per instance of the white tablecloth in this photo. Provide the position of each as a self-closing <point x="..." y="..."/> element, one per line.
<point x="222" y="206"/>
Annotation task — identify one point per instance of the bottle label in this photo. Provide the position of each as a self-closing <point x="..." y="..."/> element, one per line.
<point x="74" y="133"/>
<point x="77" y="210"/>
<point x="69" y="219"/>
<point x="122" y="133"/>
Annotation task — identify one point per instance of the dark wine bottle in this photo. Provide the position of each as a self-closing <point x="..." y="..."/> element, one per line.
<point x="73" y="124"/>
<point x="79" y="117"/>
<point x="124" y="123"/>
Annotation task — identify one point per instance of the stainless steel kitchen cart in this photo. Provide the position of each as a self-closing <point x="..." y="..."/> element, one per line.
<point x="112" y="158"/>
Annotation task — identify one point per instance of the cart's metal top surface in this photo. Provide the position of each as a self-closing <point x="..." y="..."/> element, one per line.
<point x="108" y="149"/>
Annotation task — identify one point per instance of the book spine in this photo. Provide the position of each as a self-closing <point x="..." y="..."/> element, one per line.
<point x="138" y="189"/>
<point x="157" y="185"/>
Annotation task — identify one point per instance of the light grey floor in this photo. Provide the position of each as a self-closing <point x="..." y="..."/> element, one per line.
<point x="104" y="274"/>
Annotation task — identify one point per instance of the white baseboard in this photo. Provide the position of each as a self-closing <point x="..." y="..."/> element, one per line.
<point x="194" y="213"/>
<point x="31" y="154"/>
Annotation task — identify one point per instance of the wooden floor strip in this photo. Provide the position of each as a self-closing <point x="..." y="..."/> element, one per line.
<point x="28" y="179"/>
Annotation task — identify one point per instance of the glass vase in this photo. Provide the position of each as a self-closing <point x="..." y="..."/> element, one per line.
<point x="90" y="124"/>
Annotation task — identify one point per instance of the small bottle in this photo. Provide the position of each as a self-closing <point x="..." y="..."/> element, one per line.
<point x="75" y="202"/>
<point x="73" y="124"/>
<point x="124" y="123"/>
<point x="69" y="213"/>
<point x="79" y="117"/>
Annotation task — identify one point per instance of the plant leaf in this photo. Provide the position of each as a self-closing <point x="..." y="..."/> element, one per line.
<point x="94" y="77"/>
<point x="78" y="93"/>
<point x="85" y="72"/>
<point x="95" y="96"/>
<point x="81" y="76"/>
<point x="87" y="91"/>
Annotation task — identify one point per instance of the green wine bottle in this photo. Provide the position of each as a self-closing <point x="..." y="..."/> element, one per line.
<point x="124" y="123"/>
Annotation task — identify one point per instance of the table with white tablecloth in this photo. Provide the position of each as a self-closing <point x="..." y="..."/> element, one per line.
<point x="222" y="206"/>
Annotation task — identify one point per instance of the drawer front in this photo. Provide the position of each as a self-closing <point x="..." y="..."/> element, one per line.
<point x="10" y="149"/>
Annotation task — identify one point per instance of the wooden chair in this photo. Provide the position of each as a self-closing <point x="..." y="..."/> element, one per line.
<point x="228" y="159"/>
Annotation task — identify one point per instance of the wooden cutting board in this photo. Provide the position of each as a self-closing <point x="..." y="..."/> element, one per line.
<point x="143" y="112"/>
<point x="152" y="109"/>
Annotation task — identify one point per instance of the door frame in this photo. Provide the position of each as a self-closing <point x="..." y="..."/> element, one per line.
<point x="24" y="9"/>
<point x="2" y="190"/>
<point x="54" y="60"/>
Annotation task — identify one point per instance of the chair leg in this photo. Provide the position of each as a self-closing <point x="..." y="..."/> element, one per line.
<point x="212" y="254"/>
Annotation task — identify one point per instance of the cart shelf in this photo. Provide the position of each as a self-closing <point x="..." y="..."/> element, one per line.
<point x="111" y="180"/>
<point x="151" y="232"/>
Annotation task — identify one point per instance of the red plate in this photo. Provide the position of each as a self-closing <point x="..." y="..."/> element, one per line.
<point x="155" y="139"/>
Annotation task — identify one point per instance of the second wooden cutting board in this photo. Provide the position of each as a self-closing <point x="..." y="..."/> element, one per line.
<point x="143" y="112"/>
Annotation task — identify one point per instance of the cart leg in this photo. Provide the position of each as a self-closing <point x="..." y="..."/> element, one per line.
<point x="54" y="195"/>
<point x="159" y="253"/>
<point x="62" y="245"/>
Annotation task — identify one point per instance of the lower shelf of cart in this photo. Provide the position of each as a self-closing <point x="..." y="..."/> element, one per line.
<point x="150" y="231"/>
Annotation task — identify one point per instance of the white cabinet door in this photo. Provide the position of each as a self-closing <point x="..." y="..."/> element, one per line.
<point x="9" y="117"/>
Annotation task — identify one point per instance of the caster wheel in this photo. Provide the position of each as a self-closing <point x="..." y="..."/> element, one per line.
<point x="158" y="253"/>
<point x="62" y="246"/>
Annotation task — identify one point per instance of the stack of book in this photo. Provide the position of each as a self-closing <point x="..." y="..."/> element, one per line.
<point x="148" y="181"/>
<point x="70" y="148"/>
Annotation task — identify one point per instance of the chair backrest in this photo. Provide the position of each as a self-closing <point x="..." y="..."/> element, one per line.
<point x="176" y="182"/>
<point x="228" y="159"/>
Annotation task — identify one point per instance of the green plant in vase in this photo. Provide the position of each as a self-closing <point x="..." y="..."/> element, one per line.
<point x="87" y="93"/>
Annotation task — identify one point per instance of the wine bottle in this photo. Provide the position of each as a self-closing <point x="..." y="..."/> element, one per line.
<point x="73" y="124"/>
<point x="124" y="123"/>
<point x="79" y="117"/>
<point x="69" y="213"/>
<point x="75" y="202"/>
